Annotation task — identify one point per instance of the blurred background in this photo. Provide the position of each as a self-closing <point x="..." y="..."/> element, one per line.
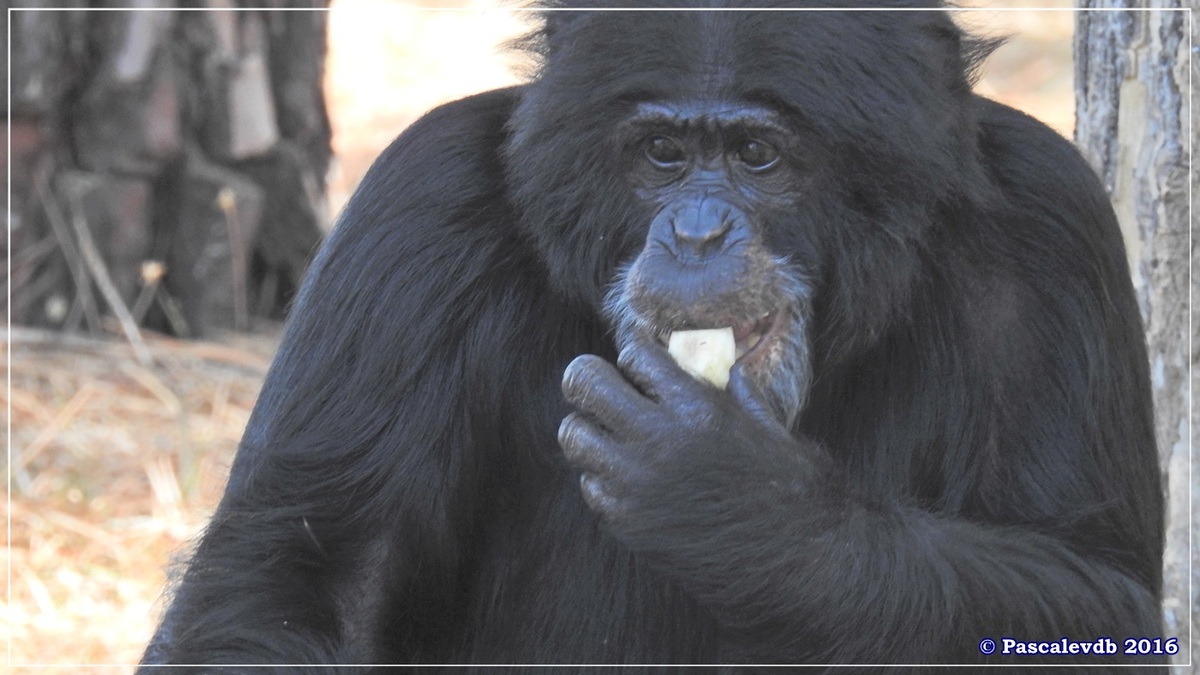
<point x="120" y="446"/>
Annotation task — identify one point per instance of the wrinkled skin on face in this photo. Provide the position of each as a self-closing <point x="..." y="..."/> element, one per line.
<point x="713" y="175"/>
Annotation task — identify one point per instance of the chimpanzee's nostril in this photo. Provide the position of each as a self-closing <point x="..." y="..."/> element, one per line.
<point x="700" y="228"/>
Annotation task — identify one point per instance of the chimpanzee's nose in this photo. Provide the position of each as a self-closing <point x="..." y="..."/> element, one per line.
<point x="700" y="227"/>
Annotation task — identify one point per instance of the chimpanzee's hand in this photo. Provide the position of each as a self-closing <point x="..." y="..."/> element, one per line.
<point x="661" y="450"/>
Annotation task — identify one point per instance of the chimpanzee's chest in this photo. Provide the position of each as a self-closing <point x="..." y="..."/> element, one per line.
<point x="552" y="586"/>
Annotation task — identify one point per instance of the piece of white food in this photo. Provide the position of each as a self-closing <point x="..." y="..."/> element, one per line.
<point x="704" y="354"/>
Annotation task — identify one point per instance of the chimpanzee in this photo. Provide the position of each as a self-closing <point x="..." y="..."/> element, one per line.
<point x="475" y="446"/>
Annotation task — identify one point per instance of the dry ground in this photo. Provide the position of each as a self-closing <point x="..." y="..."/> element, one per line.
<point x="116" y="465"/>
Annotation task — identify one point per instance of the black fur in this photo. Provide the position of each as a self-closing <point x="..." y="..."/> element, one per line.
<point x="975" y="458"/>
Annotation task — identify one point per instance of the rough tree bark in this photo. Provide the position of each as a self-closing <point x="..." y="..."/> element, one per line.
<point x="1132" y="97"/>
<point x="190" y="147"/>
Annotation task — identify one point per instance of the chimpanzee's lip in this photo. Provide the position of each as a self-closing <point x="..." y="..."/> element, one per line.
<point x="754" y="338"/>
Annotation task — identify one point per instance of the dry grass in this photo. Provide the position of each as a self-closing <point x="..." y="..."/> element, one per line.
<point x="115" y="468"/>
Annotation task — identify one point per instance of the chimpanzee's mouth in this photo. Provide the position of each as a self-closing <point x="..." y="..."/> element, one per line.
<point x="752" y="338"/>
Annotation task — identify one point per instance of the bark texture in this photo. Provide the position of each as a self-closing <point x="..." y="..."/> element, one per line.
<point x="189" y="147"/>
<point x="1133" y="101"/>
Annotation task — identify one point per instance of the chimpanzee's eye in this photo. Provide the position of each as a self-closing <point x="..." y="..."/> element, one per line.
<point x="664" y="152"/>
<point x="757" y="155"/>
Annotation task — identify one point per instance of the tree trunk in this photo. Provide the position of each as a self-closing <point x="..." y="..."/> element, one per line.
<point x="1132" y="88"/>
<point x="189" y="147"/>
